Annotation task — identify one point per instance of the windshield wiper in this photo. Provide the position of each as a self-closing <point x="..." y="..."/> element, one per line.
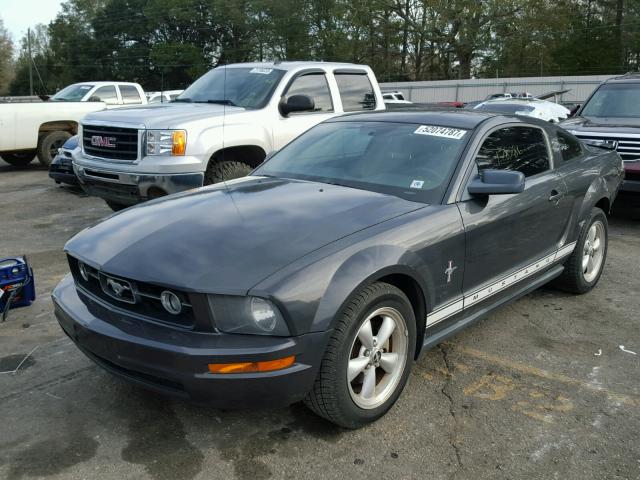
<point x="222" y="102"/>
<point x="187" y="100"/>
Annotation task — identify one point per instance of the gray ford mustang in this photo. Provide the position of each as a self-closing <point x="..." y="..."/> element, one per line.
<point x="324" y="274"/>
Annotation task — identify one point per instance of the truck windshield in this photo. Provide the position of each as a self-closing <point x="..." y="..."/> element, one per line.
<point x="72" y="93"/>
<point x="411" y="161"/>
<point x="614" y="100"/>
<point x="242" y="87"/>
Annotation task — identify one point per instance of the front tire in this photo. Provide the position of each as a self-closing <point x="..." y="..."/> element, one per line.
<point x="368" y="359"/>
<point x="19" y="159"/>
<point x="584" y="267"/>
<point x="225" y="170"/>
<point x="49" y="144"/>
<point x="115" y="206"/>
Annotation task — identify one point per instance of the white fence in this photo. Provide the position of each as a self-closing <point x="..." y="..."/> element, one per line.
<point x="477" y="89"/>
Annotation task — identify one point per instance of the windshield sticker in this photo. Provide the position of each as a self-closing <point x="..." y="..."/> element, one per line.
<point x="445" y="132"/>
<point x="417" y="184"/>
<point x="263" y="71"/>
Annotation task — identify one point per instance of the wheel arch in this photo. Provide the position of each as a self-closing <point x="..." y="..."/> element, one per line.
<point x="70" y="126"/>
<point x="252" y="155"/>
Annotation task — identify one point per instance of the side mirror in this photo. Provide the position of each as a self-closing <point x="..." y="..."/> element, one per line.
<point x="496" y="182"/>
<point x="296" y="103"/>
<point x="94" y="99"/>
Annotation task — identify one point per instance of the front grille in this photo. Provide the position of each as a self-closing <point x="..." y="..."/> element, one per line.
<point x="114" y="143"/>
<point x="138" y="298"/>
<point x="628" y="145"/>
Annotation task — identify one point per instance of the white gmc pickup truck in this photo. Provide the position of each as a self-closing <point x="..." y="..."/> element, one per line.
<point x="220" y="128"/>
<point x="40" y="128"/>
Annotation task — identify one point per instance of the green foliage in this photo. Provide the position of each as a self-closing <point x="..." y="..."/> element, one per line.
<point x="6" y="59"/>
<point x="169" y="43"/>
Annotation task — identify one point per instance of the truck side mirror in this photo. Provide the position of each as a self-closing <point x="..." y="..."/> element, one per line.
<point x="496" y="182"/>
<point x="296" y="103"/>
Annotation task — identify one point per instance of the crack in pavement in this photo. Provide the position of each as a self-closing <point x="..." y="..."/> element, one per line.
<point x="446" y="391"/>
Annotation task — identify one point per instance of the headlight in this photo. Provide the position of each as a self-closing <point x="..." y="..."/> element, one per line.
<point x="166" y="142"/>
<point x="251" y="315"/>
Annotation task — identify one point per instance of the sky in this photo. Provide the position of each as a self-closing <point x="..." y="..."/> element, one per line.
<point x="18" y="15"/>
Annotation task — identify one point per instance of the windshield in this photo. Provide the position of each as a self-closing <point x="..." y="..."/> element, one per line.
<point x="242" y="87"/>
<point x="72" y="93"/>
<point x="512" y="108"/>
<point x="614" y="100"/>
<point x="407" y="160"/>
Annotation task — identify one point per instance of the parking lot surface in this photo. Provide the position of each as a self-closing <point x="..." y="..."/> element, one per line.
<point x="540" y="389"/>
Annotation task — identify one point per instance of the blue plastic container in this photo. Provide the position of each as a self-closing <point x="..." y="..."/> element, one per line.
<point x="16" y="276"/>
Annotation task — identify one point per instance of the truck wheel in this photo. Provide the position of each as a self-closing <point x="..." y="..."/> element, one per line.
<point x="19" y="159"/>
<point x="583" y="268"/>
<point x="115" y="206"/>
<point x="225" y="170"/>
<point x="48" y="145"/>
<point x="368" y="359"/>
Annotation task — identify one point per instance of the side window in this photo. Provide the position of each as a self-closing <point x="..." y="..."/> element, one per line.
<point x="106" y="94"/>
<point x="569" y="147"/>
<point x="356" y="91"/>
<point x="314" y="85"/>
<point x="129" y="94"/>
<point x="515" y="148"/>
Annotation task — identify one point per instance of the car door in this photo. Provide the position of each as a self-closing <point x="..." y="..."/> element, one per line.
<point x="312" y="83"/>
<point x="515" y="233"/>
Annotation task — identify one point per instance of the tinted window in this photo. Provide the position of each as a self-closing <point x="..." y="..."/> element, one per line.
<point x="106" y="94"/>
<point x="569" y="147"/>
<point x="129" y="94"/>
<point x="356" y="92"/>
<point x="614" y="100"/>
<point x="315" y="86"/>
<point x="515" y="148"/>
<point x="410" y="161"/>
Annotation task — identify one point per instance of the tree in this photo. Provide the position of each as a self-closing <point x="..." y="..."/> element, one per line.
<point x="6" y="59"/>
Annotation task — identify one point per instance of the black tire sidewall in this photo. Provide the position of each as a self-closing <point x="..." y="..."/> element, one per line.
<point x="45" y="142"/>
<point x="225" y="170"/>
<point x="359" y="415"/>
<point x="115" y="206"/>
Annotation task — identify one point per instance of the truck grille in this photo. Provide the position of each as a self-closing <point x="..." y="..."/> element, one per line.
<point x="114" y="143"/>
<point x="628" y="145"/>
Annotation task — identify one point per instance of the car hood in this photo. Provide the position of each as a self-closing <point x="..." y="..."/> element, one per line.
<point x="226" y="239"/>
<point x="162" y="115"/>
<point x="611" y="125"/>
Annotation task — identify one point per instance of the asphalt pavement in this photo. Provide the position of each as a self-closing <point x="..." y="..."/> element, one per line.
<point x="540" y="389"/>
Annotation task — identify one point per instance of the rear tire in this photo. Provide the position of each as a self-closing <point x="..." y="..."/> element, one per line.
<point x="583" y="268"/>
<point x="225" y="170"/>
<point x="48" y="145"/>
<point x="358" y="383"/>
<point x="19" y="159"/>
<point x="115" y="206"/>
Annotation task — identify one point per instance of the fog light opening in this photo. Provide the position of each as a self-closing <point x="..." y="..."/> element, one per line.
<point x="249" y="367"/>
<point x="171" y="302"/>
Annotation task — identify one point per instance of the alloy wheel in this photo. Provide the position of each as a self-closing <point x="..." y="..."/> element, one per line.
<point x="593" y="251"/>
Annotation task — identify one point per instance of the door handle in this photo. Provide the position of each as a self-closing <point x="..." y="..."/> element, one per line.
<point x="555" y="196"/>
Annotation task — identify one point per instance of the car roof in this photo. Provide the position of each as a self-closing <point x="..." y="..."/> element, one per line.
<point x="457" y="118"/>
<point x="296" y="65"/>
<point x="631" y="77"/>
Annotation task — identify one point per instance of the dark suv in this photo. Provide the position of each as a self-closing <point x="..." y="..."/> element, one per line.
<point x="611" y="116"/>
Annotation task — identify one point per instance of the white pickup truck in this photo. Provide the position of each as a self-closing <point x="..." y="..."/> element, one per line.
<point x="40" y="128"/>
<point x="220" y="128"/>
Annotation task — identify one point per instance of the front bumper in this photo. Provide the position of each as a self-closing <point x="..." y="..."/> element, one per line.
<point x="131" y="188"/>
<point x="173" y="361"/>
<point x="61" y="170"/>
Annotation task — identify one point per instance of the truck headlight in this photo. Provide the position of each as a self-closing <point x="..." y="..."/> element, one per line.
<point x="166" y="142"/>
<point x="251" y="315"/>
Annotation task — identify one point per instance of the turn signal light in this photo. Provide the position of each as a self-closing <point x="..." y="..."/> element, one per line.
<point x="179" y="142"/>
<point x="249" y="367"/>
